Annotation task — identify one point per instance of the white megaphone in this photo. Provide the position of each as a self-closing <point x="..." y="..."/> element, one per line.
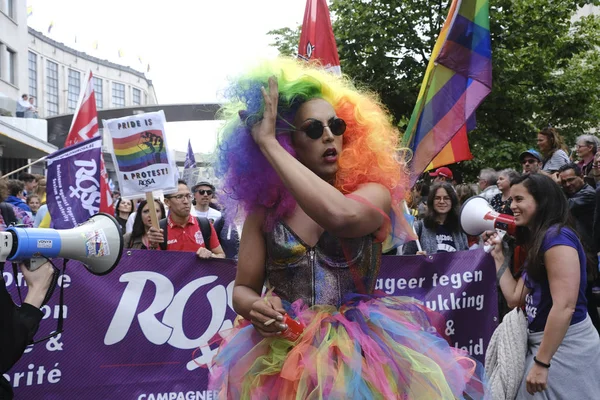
<point x="97" y="243"/>
<point x="477" y="216"/>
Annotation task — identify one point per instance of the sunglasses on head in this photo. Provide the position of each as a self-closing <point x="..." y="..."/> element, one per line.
<point x="203" y="192"/>
<point x="314" y="128"/>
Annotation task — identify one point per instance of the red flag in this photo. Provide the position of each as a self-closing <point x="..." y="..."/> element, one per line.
<point x="316" y="40"/>
<point x="85" y="126"/>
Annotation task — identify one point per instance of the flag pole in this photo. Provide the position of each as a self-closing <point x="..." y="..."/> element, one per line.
<point x="24" y="167"/>
<point x="152" y="208"/>
<point x="409" y="135"/>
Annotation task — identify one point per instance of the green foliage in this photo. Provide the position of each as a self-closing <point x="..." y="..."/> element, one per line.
<point x="286" y="40"/>
<point x="546" y="67"/>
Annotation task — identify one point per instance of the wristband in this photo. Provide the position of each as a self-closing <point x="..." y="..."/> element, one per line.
<point x="502" y="269"/>
<point x="541" y="364"/>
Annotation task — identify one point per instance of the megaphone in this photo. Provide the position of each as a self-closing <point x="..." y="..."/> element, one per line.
<point x="97" y="243"/>
<point x="477" y="216"/>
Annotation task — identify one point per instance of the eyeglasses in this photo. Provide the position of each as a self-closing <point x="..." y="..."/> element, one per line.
<point x="445" y="199"/>
<point x="204" y="192"/>
<point x="180" y="197"/>
<point x="314" y="128"/>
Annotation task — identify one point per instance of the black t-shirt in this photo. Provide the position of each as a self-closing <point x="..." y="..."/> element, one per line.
<point x="445" y="240"/>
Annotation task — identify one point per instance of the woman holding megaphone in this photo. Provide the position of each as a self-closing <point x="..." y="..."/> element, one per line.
<point x="561" y="338"/>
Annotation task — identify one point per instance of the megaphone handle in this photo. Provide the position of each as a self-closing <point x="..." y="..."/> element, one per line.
<point x="34" y="263"/>
<point x="487" y="247"/>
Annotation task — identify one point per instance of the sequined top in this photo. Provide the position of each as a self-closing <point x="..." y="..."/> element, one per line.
<point x="322" y="274"/>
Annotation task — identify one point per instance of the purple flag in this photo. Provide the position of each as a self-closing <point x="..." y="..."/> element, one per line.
<point x="146" y="331"/>
<point x="190" y="159"/>
<point x="73" y="188"/>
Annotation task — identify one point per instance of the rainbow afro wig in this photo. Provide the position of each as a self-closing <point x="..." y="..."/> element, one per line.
<point x="370" y="143"/>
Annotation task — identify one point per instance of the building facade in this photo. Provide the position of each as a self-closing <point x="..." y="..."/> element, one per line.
<point x="54" y="74"/>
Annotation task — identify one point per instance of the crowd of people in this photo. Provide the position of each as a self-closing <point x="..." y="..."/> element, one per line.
<point x="550" y="268"/>
<point x="189" y="220"/>
<point x="21" y="200"/>
<point x="311" y="163"/>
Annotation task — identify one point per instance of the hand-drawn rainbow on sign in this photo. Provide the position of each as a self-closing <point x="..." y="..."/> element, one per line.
<point x="141" y="154"/>
<point x="140" y="150"/>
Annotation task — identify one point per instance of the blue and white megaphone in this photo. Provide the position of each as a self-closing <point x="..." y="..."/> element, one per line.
<point x="97" y="243"/>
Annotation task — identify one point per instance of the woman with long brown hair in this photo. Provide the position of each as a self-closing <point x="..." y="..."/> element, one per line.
<point x="439" y="231"/>
<point x="562" y="340"/>
<point x="553" y="148"/>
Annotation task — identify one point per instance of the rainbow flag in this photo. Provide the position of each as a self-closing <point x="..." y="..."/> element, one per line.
<point x="455" y="151"/>
<point x="140" y="150"/>
<point x="457" y="79"/>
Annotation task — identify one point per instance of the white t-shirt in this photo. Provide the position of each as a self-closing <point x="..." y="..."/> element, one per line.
<point x="212" y="214"/>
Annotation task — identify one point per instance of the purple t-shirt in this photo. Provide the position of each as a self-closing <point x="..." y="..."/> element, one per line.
<point x="539" y="300"/>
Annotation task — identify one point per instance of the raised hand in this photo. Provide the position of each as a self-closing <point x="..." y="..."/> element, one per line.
<point x="264" y="130"/>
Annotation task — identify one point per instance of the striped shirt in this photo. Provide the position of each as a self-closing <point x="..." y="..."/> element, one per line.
<point x="557" y="160"/>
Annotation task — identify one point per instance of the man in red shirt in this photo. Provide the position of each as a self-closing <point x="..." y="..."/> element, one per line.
<point x="183" y="229"/>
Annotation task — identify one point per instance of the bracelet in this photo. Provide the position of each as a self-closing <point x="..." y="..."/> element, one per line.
<point x="502" y="269"/>
<point x="541" y="364"/>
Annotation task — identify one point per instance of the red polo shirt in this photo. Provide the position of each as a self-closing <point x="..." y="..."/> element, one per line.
<point x="189" y="237"/>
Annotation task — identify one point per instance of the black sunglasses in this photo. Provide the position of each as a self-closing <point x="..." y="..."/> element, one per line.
<point x="314" y="128"/>
<point x="203" y="192"/>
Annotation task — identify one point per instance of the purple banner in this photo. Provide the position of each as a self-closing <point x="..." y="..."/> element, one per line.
<point x="142" y="331"/>
<point x="73" y="186"/>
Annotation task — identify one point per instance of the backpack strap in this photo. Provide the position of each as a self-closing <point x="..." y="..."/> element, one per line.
<point x="162" y="224"/>
<point x="205" y="229"/>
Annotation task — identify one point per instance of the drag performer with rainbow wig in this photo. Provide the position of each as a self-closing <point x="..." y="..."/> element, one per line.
<point x="312" y="164"/>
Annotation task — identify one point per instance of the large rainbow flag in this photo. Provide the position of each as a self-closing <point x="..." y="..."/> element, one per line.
<point x="457" y="79"/>
<point x="140" y="150"/>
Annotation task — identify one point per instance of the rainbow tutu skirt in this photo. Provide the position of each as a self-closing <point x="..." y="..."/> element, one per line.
<point x="373" y="347"/>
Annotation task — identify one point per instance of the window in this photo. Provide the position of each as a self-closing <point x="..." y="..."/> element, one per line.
<point x="51" y="88"/>
<point x="118" y="95"/>
<point x="137" y="97"/>
<point x="98" y="93"/>
<point x="10" y="8"/>
<point x="73" y="89"/>
<point x="10" y="64"/>
<point x="33" y="74"/>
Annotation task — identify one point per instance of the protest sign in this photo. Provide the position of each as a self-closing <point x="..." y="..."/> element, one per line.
<point x="141" y="154"/>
